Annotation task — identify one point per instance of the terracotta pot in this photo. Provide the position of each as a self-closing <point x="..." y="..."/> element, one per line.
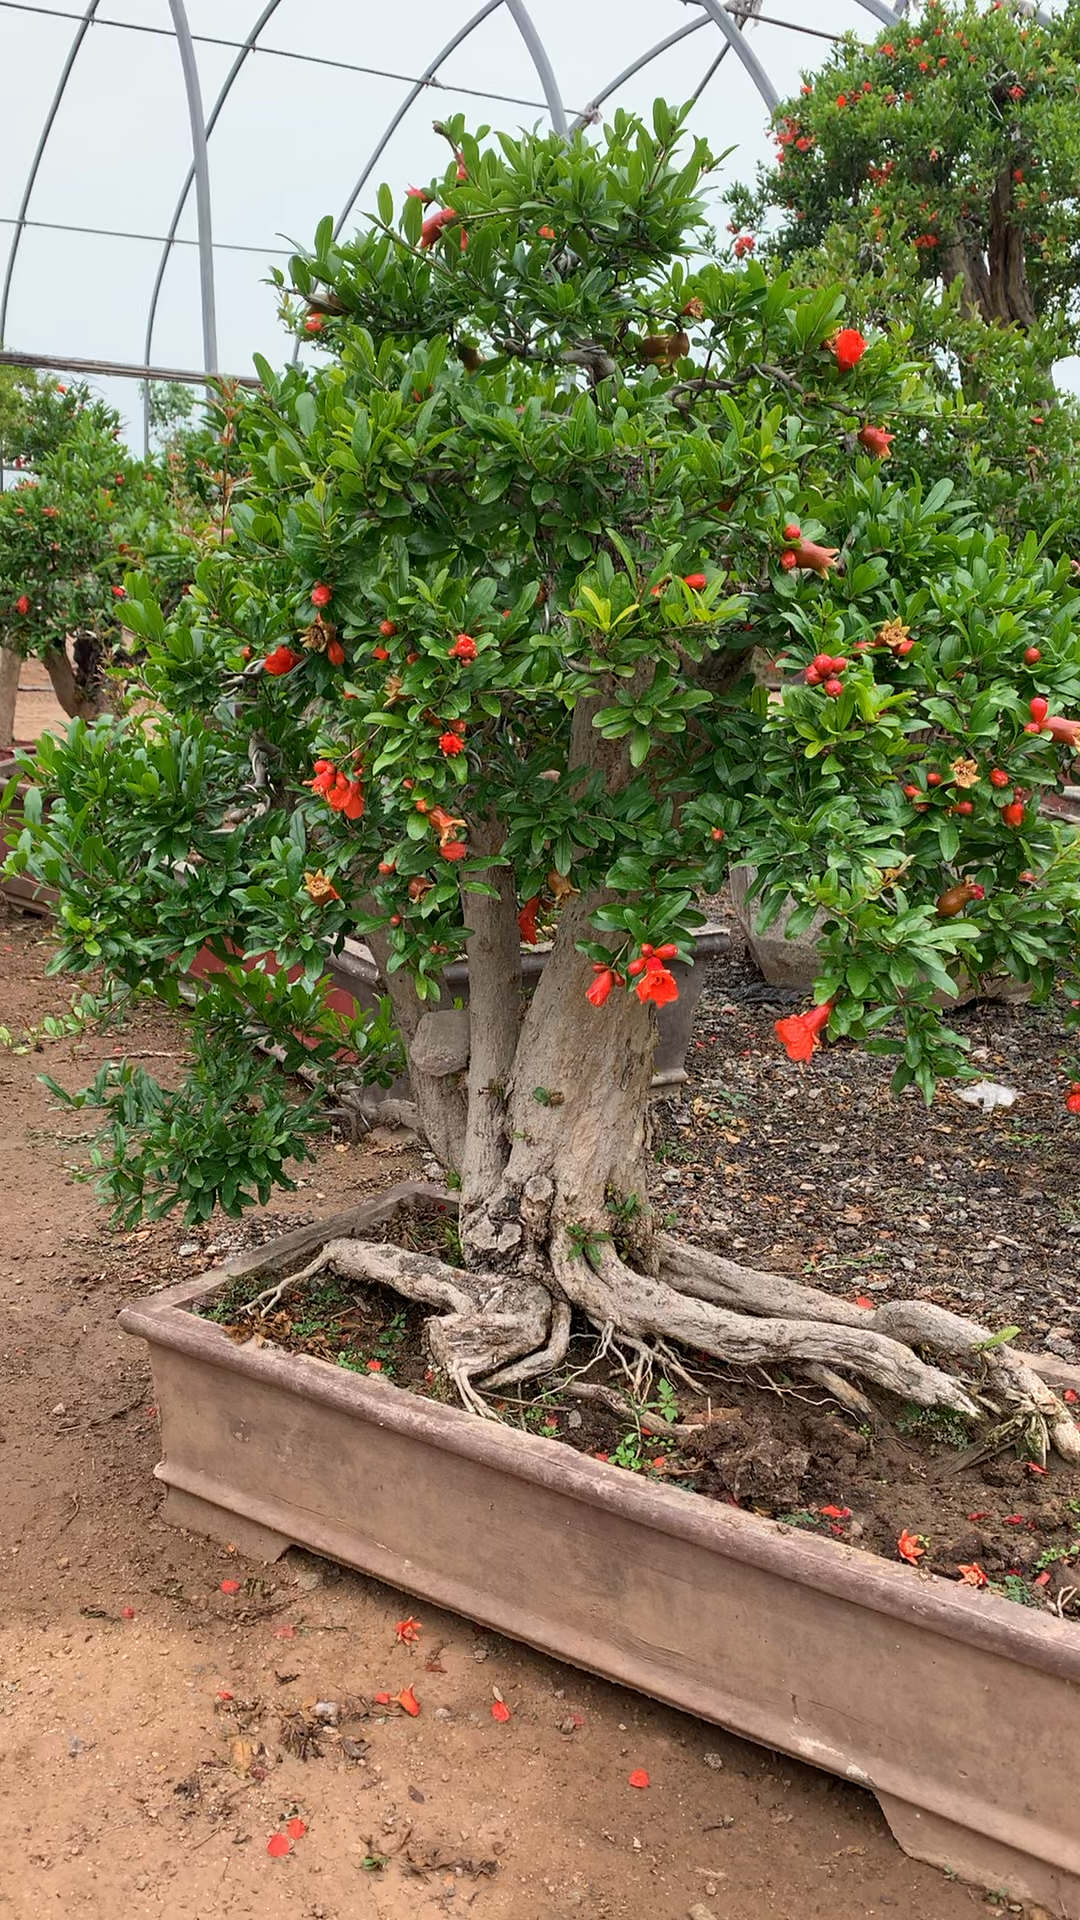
<point x="958" y="1710"/>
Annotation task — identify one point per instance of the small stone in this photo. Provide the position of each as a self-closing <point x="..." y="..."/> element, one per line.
<point x="443" y="1713"/>
<point x="573" y="1420"/>
<point x="699" y="1912"/>
<point x="714" y="1761"/>
<point x="59" y="1407"/>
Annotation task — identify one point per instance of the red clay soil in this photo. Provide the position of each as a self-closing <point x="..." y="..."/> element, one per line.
<point x="37" y="710"/>
<point x="144" y="1731"/>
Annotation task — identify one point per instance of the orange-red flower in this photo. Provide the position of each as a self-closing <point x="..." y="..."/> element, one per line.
<point x="464" y="647"/>
<point x="22" y="604"/>
<point x="408" y="1631"/>
<point x="527" y="920"/>
<point x="799" y="1032"/>
<point x="601" y="986"/>
<point x="321" y="594"/>
<point x="314" y="323"/>
<point x="876" y="441"/>
<point x="342" y="794"/>
<point x="325" y="775"/>
<point x="453" y="850"/>
<point x="815" y="559"/>
<point x="910" y="1547"/>
<point x="849" y="347"/>
<point x="282" y="660"/>
<point x="696" y="581"/>
<point x="434" y="225"/>
<point x="971" y="1575"/>
<point x="657" y="984"/>
<point x="445" y="824"/>
<point x="335" y="653"/>
<point x="320" y="887"/>
<point x="451" y="743"/>
<point x="1072" y="1098"/>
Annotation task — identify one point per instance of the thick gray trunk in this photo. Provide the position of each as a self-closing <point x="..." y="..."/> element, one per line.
<point x="78" y="703"/>
<point x="577" y="1113"/>
<point x="494" y="952"/>
<point x="10" y="669"/>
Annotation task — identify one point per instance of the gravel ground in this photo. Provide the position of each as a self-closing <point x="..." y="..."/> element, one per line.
<point x="818" y="1171"/>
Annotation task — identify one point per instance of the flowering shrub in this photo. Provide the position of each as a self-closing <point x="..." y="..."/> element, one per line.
<point x="81" y="515"/>
<point x="934" y="172"/>
<point x="479" y="661"/>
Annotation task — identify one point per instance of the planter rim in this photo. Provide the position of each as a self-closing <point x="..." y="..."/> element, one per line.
<point x="981" y="1620"/>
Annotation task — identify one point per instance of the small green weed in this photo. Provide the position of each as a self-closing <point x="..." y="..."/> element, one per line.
<point x="936" y="1426"/>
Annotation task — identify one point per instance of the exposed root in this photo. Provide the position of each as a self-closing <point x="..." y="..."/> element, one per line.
<point x="489" y="1320"/>
<point x="651" y="1423"/>
<point x="499" y="1329"/>
<point x="646" y="1308"/>
<point x="705" y="1276"/>
<point x="546" y="1360"/>
<point x="840" y="1390"/>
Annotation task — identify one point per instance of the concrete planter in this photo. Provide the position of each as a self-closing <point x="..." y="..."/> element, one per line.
<point x="958" y="1710"/>
<point x="355" y="974"/>
<point x="19" y="888"/>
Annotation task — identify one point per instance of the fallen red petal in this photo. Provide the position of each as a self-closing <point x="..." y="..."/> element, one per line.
<point x="408" y="1700"/>
<point x="836" y="1513"/>
<point x="1043" y="1579"/>
<point x="278" y="1846"/>
<point x="639" y="1777"/>
<point x="127" y="1613"/>
<point x="296" y="1829"/>
<point x="285" y="1633"/>
<point x="863" y="1300"/>
<point x="230" y="1586"/>
<point x="1070" y="1394"/>
<point x="381" y="1699"/>
<point x="500" y="1710"/>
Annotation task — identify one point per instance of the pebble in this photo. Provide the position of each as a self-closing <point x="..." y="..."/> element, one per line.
<point x="714" y="1761"/>
<point x="699" y="1912"/>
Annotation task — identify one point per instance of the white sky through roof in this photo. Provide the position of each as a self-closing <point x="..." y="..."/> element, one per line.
<point x="293" y="136"/>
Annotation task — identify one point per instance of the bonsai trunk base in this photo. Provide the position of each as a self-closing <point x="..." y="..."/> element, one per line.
<point x="958" y="1710"/>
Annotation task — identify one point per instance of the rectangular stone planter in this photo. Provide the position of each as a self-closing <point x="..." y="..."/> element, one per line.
<point x="19" y="888"/>
<point x="958" y="1710"/>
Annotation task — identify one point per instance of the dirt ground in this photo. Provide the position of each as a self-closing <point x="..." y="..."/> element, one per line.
<point x="37" y="709"/>
<point x="123" y="1790"/>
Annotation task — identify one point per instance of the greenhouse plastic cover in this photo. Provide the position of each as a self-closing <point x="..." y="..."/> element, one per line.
<point x="307" y="105"/>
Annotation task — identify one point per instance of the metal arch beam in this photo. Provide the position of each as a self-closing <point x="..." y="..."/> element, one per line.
<point x="201" y="166"/>
<point x="881" y="11"/>
<point x="635" y="66"/>
<point x="745" y="52"/>
<point x="39" y="153"/>
<point x="215" y="113"/>
<point x="538" y="54"/>
<point x="394" y="123"/>
<point x="410" y="99"/>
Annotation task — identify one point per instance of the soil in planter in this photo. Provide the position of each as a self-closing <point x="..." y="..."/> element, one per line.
<point x="768" y="1443"/>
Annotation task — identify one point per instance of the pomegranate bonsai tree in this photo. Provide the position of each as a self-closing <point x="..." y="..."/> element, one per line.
<point x="933" y="170"/>
<point x="80" y="514"/>
<point x="478" y="665"/>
